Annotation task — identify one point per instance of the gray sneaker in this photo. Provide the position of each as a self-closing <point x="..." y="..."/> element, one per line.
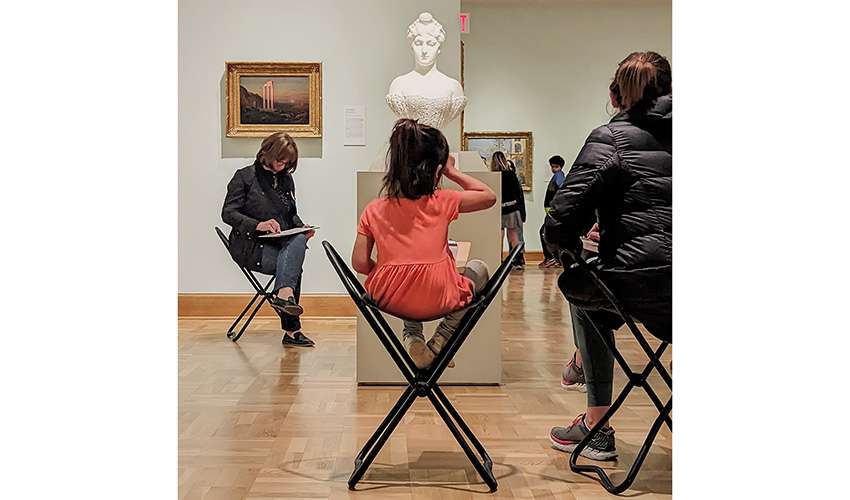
<point x="422" y="356"/>
<point x="573" y="377"/>
<point x="436" y="345"/>
<point x="601" y="447"/>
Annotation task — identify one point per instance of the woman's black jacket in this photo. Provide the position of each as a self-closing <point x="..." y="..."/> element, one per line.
<point x="623" y="175"/>
<point x="251" y="199"/>
<point x="513" y="198"/>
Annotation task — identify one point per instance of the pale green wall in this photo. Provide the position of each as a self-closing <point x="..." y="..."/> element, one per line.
<point x="543" y="69"/>
<point x="362" y="45"/>
<point x="546" y="69"/>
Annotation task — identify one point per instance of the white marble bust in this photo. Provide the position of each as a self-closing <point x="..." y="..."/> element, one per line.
<point x="425" y="94"/>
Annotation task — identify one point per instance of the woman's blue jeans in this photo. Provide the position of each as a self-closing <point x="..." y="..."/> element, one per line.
<point x="284" y="258"/>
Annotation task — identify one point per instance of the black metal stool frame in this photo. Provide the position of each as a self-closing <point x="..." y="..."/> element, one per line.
<point x="261" y="293"/>
<point x="635" y="380"/>
<point x="422" y="383"/>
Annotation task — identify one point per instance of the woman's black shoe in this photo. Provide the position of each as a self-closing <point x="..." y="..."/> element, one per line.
<point x="288" y="306"/>
<point x="299" y="339"/>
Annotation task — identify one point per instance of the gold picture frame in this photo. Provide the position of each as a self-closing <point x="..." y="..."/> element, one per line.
<point x="267" y="97"/>
<point x="517" y="146"/>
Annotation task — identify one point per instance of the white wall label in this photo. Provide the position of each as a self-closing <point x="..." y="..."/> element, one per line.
<point x="355" y="126"/>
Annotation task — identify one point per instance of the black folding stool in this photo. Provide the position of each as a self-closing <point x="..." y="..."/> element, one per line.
<point x="635" y="380"/>
<point x="422" y="383"/>
<point x="262" y="293"/>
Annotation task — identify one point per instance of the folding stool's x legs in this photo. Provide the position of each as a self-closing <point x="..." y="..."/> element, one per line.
<point x="635" y="380"/>
<point x="261" y="294"/>
<point x="421" y="383"/>
<point x="484" y="465"/>
<point x="379" y="437"/>
<point x="447" y="412"/>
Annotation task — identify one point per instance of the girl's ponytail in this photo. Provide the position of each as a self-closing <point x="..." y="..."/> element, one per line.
<point x="416" y="151"/>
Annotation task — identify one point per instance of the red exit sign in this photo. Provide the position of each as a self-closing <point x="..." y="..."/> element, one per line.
<point x="464" y="23"/>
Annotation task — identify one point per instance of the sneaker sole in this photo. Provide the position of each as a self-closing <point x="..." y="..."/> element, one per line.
<point x="574" y="387"/>
<point x="587" y="452"/>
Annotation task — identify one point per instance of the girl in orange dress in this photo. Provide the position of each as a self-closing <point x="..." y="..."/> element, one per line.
<point x="415" y="276"/>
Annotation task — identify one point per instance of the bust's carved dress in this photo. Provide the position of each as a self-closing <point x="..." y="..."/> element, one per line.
<point x="436" y="112"/>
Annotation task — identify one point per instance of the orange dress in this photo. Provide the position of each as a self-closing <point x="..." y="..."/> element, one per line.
<point x="416" y="276"/>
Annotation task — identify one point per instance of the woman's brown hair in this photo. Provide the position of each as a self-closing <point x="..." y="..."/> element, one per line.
<point x="277" y="147"/>
<point x="416" y="153"/>
<point x="642" y="76"/>
<point x="499" y="162"/>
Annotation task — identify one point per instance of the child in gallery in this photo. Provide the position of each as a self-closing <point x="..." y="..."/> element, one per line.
<point x="415" y="276"/>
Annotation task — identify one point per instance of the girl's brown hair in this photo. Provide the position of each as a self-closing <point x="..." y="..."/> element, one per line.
<point x="642" y="76"/>
<point x="276" y="147"/>
<point x="416" y="153"/>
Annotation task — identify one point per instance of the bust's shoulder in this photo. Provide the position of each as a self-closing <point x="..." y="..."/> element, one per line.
<point x="448" y="82"/>
<point x="457" y="90"/>
<point x="432" y="85"/>
<point x="399" y="83"/>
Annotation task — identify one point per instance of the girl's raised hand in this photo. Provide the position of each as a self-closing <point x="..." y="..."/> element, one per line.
<point x="450" y="171"/>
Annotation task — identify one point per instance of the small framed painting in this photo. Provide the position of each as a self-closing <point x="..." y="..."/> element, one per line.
<point x="267" y="97"/>
<point x="517" y="147"/>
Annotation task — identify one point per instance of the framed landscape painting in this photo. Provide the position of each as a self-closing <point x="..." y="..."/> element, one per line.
<point x="267" y="97"/>
<point x="517" y="146"/>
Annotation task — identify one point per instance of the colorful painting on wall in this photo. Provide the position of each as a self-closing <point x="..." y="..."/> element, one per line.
<point x="517" y="147"/>
<point x="263" y="98"/>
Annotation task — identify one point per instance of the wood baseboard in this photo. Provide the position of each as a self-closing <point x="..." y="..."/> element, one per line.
<point x="531" y="257"/>
<point x="231" y="304"/>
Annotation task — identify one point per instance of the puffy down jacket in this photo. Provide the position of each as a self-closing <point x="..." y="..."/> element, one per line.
<point x="622" y="177"/>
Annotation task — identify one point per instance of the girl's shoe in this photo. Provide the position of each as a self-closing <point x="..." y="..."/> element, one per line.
<point x="435" y="348"/>
<point x="422" y="355"/>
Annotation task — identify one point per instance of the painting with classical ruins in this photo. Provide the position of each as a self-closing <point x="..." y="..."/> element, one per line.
<point x="263" y="98"/>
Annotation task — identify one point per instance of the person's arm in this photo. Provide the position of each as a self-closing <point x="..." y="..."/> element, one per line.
<point x="574" y="204"/>
<point x="361" y="256"/>
<point x="551" y="189"/>
<point x="296" y="219"/>
<point x="234" y="203"/>
<point x="476" y="195"/>
<point x="521" y="200"/>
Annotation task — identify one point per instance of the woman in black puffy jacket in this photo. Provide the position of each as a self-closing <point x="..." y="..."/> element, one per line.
<point x="622" y="180"/>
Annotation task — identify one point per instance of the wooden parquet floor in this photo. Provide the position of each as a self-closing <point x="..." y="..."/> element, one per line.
<point x="260" y="421"/>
